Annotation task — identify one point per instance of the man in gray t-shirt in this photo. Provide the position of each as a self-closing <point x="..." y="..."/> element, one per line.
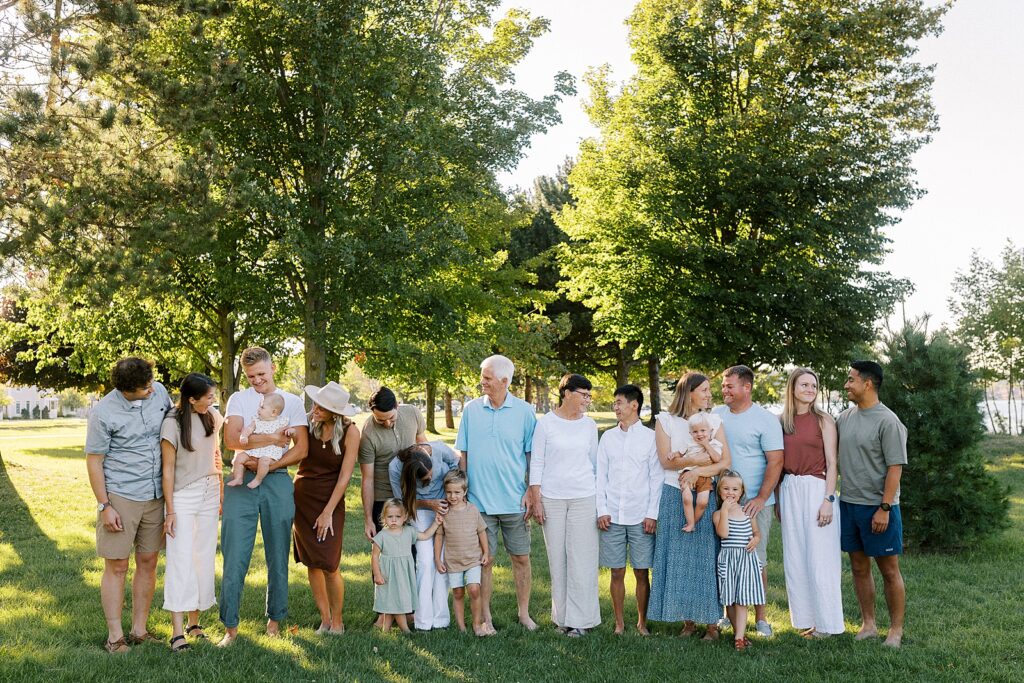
<point x="872" y="453"/>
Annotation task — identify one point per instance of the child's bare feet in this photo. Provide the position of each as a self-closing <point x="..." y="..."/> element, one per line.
<point x="527" y="623"/>
<point x="689" y="527"/>
<point x="642" y="630"/>
<point x="254" y="483"/>
<point x="619" y="629"/>
<point x="483" y="631"/>
<point x="234" y="482"/>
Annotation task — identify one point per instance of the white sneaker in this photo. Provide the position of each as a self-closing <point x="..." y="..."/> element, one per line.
<point x="763" y="628"/>
<point x="724" y="623"/>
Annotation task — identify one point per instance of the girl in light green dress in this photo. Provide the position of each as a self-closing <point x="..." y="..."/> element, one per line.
<point x="394" y="570"/>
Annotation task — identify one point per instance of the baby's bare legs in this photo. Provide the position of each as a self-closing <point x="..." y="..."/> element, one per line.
<point x="385" y="622"/>
<point x="687" y="494"/>
<point x="238" y="469"/>
<point x="402" y="622"/>
<point x="262" y="469"/>
<point x="702" y="504"/>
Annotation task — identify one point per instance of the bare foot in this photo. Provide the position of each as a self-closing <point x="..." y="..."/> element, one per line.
<point x="228" y="639"/>
<point x="482" y="631"/>
<point x="688" y="630"/>
<point x="235" y="482"/>
<point x="894" y="640"/>
<point x="642" y="629"/>
<point x="254" y="483"/>
<point x="866" y="632"/>
<point x="712" y="633"/>
<point x="528" y="623"/>
<point x="619" y="629"/>
<point x="462" y="627"/>
<point x="273" y="628"/>
<point x="690" y="527"/>
<point x="490" y="629"/>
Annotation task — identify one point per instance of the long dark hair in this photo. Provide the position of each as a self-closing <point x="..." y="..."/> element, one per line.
<point x="195" y="385"/>
<point x="416" y="468"/>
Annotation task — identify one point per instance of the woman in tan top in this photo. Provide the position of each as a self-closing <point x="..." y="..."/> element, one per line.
<point x="320" y="486"/>
<point x="192" y="497"/>
<point x="808" y="510"/>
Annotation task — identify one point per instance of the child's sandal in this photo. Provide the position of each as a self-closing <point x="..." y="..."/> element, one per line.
<point x="741" y="644"/>
<point x="191" y="630"/>
<point x="178" y="644"/>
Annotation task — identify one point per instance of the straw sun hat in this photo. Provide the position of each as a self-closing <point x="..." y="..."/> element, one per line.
<point x="333" y="397"/>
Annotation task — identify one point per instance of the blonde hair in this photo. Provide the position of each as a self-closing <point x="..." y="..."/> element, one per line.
<point x="698" y="419"/>
<point x="730" y="474"/>
<point x="681" y="398"/>
<point x="456" y="477"/>
<point x="337" y="436"/>
<point x="254" y="355"/>
<point x="789" y="401"/>
<point x="274" y="401"/>
<point x="393" y="503"/>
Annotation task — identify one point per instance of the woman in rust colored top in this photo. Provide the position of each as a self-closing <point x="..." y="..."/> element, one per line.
<point x="809" y="511"/>
<point x="320" y="487"/>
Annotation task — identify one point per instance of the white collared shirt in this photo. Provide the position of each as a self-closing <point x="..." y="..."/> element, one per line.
<point x="629" y="475"/>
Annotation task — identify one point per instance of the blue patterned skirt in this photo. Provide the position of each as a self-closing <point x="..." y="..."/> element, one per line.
<point x="684" y="585"/>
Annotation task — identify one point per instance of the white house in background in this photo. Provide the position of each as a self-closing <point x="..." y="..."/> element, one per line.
<point x="30" y="398"/>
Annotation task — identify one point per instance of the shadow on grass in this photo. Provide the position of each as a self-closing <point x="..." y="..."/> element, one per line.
<point x="42" y="584"/>
<point x="73" y="452"/>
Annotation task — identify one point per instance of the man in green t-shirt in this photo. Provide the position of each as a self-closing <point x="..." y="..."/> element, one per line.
<point x="872" y="453"/>
<point x="389" y="429"/>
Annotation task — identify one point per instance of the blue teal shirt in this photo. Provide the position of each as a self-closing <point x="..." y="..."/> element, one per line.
<point x="127" y="435"/>
<point x="442" y="458"/>
<point x="751" y="434"/>
<point x="496" y="443"/>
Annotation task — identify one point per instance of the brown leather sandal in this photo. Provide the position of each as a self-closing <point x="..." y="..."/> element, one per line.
<point x="116" y="647"/>
<point x="133" y="639"/>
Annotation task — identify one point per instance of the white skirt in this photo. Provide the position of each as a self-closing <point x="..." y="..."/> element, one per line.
<point x="811" y="556"/>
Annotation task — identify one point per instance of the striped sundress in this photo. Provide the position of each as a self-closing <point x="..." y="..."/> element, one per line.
<point x="739" y="572"/>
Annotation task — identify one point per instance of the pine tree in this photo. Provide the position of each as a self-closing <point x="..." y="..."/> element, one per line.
<point x="948" y="499"/>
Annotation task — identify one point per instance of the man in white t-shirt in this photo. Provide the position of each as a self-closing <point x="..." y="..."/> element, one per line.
<point x="271" y="504"/>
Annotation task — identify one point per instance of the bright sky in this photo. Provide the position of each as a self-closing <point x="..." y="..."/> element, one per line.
<point x="971" y="169"/>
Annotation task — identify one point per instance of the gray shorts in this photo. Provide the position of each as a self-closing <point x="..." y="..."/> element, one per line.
<point x="515" y="533"/>
<point x="613" y="545"/>
<point x="764" y="525"/>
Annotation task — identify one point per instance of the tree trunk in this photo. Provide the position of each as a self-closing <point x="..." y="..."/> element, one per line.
<point x="654" y="383"/>
<point x="55" y="61"/>
<point x="449" y="416"/>
<point x="528" y="390"/>
<point x="431" y="397"/>
<point x="228" y="350"/>
<point x="315" y="355"/>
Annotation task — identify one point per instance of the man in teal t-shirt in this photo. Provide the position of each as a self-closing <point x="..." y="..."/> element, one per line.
<point x="755" y="442"/>
<point x="495" y="437"/>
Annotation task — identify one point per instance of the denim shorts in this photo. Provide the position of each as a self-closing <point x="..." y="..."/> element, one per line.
<point x="464" y="578"/>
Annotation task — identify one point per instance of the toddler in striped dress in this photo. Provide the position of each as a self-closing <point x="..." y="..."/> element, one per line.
<point x="739" y="572"/>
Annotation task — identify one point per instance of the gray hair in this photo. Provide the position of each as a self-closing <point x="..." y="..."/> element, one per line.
<point x="502" y="367"/>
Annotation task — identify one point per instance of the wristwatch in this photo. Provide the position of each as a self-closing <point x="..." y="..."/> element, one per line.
<point x="831" y="497"/>
<point x="885" y="507"/>
<point x="102" y="506"/>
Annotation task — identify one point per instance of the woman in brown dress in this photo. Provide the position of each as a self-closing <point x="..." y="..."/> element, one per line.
<point x="320" y="487"/>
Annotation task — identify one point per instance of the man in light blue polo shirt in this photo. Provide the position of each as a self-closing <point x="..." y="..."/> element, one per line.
<point x="122" y="457"/>
<point x="755" y="441"/>
<point x="495" y="436"/>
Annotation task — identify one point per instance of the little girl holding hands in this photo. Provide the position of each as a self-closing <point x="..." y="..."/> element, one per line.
<point x="394" y="570"/>
<point x="739" y="572"/>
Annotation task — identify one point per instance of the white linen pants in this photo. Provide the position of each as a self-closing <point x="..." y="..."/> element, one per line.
<point x="192" y="552"/>
<point x="431" y="587"/>
<point x="572" y="542"/>
<point x="811" y="556"/>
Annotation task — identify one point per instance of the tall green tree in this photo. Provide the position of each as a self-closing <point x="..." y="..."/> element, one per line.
<point x="734" y="206"/>
<point x="988" y="305"/>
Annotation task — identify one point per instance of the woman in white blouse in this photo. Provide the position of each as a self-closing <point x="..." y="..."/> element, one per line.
<point x="563" y="488"/>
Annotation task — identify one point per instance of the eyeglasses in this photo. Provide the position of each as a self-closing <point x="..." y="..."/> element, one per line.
<point x="585" y="394"/>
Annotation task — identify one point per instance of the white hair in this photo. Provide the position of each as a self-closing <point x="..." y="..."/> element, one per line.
<point x="501" y="366"/>
<point x="698" y="419"/>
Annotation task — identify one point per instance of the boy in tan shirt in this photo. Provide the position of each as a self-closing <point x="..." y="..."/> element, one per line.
<point x="463" y="539"/>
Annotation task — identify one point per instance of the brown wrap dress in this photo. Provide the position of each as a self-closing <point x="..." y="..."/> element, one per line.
<point x="314" y="484"/>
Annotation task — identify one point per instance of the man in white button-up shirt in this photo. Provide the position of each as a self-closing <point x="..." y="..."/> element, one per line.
<point x="629" y="478"/>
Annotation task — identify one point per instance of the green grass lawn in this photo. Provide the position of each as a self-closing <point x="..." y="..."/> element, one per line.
<point x="963" y="620"/>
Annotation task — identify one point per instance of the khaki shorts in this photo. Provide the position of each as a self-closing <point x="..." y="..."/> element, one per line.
<point x="515" y="533"/>
<point x="764" y="525"/>
<point x="143" y="529"/>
